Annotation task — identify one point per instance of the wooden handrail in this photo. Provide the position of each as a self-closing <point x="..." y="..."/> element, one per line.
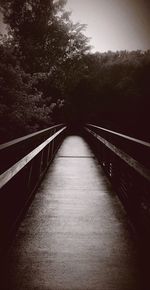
<point x="15" y="141"/>
<point x="128" y="172"/>
<point x="124" y="156"/>
<point x="122" y="135"/>
<point x="13" y="170"/>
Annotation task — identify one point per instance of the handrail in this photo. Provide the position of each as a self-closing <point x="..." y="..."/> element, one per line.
<point x="12" y="151"/>
<point x="24" y="162"/>
<point x="13" y="170"/>
<point x="127" y="169"/>
<point x="20" y="139"/>
<point x="122" y="135"/>
<point x="124" y="156"/>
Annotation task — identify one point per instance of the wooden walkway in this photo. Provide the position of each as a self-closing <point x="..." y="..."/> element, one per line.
<point x="75" y="234"/>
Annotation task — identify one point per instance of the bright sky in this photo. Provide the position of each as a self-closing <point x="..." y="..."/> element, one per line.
<point x="114" y="24"/>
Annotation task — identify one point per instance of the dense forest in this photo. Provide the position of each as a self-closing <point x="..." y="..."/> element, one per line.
<point x="48" y="75"/>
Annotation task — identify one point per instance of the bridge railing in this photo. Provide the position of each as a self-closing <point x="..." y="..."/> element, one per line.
<point x="24" y="162"/>
<point x="125" y="161"/>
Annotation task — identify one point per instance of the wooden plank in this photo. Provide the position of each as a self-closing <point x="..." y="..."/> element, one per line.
<point x="13" y="170"/>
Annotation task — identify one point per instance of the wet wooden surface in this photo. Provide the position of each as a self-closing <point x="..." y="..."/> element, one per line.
<point x="75" y="234"/>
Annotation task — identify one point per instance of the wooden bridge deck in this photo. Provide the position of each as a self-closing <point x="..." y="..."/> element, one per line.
<point x="75" y="234"/>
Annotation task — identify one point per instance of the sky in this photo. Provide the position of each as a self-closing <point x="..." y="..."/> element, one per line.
<point x="114" y="24"/>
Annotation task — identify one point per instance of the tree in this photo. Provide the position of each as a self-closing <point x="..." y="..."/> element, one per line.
<point x="42" y="44"/>
<point x="43" y="32"/>
<point x="21" y="105"/>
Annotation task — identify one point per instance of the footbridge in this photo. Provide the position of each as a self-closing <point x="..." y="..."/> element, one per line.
<point x="74" y="205"/>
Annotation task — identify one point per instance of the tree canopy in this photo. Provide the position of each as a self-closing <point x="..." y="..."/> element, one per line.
<point x="40" y="44"/>
<point x="48" y="74"/>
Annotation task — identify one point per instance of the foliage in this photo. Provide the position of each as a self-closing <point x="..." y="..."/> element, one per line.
<point x="40" y="41"/>
<point x="48" y="75"/>
<point x="44" y="33"/>
<point x="21" y="105"/>
<point x="113" y="90"/>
